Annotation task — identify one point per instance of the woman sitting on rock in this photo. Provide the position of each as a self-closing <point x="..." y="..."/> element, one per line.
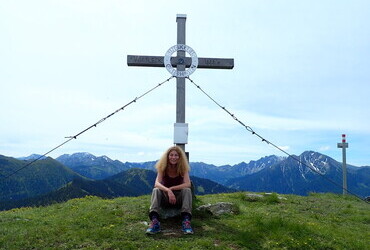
<point x="172" y="188"/>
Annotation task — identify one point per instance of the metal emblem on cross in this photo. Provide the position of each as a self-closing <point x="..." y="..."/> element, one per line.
<point x="175" y="72"/>
<point x="176" y="66"/>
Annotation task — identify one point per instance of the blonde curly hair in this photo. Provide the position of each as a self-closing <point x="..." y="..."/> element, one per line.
<point x="182" y="164"/>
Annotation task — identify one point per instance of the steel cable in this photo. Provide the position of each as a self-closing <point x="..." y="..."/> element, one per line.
<point x="248" y="128"/>
<point x="85" y="130"/>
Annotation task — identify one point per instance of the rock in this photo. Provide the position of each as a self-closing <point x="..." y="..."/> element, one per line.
<point x="218" y="208"/>
<point x="256" y="197"/>
<point x="145" y="223"/>
<point x="279" y="197"/>
<point x="170" y="212"/>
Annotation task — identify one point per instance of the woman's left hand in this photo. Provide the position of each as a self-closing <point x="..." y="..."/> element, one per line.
<point x="171" y="197"/>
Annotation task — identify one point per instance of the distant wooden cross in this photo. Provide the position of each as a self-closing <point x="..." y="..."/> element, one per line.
<point x="181" y="62"/>
<point x="343" y="146"/>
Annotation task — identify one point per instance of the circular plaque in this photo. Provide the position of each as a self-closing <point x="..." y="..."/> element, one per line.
<point x="173" y="71"/>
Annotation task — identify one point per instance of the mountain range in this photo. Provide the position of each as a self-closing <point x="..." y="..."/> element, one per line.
<point x="71" y="176"/>
<point x="39" y="178"/>
<point x="90" y="166"/>
<point x="49" y="181"/>
<point x="309" y="172"/>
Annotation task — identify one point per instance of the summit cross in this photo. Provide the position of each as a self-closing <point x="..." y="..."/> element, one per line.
<point x="181" y="62"/>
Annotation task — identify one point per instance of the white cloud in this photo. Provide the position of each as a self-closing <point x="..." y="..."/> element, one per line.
<point x="300" y="77"/>
<point x="324" y="148"/>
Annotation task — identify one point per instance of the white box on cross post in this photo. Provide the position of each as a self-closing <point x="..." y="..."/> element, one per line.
<point x="181" y="132"/>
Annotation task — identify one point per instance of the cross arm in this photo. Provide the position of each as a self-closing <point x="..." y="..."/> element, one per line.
<point x="342" y="145"/>
<point x="203" y="63"/>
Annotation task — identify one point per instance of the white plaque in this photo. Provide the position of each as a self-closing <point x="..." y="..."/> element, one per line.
<point x="181" y="132"/>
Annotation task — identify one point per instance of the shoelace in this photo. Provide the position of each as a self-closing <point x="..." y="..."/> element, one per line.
<point x="187" y="224"/>
<point x="154" y="223"/>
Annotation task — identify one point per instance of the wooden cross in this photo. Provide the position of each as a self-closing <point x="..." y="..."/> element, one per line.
<point x="343" y="146"/>
<point x="181" y="62"/>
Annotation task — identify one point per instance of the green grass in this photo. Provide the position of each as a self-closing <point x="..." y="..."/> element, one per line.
<point x="319" y="221"/>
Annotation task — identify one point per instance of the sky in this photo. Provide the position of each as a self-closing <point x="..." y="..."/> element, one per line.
<point x="300" y="80"/>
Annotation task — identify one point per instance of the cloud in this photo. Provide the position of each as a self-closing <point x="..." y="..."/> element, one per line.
<point x="324" y="148"/>
<point x="63" y="68"/>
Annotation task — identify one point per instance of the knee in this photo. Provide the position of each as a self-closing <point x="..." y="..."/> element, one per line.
<point x="186" y="190"/>
<point x="156" y="192"/>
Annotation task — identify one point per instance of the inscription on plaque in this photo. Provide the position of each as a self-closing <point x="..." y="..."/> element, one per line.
<point x="212" y="62"/>
<point x="168" y="64"/>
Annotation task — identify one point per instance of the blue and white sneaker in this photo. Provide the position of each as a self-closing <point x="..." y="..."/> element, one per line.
<point x="155" y="227"/>
<point x="186" y="227"/>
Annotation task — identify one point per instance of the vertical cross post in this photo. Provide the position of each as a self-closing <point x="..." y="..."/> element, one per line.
<point x="180" y="81"/>
<point x="343" y="146"/>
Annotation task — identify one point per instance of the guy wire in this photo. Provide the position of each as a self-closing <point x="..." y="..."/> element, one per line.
<point x="248" y="128"/>
<point x="85" y="130"/>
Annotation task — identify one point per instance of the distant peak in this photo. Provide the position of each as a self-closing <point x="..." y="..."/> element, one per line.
<point x="82" y="154"/>
<point x="32" y="157"/>
<point x="310" y="152"/>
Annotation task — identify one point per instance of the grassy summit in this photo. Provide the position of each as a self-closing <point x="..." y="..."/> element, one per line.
<point x="319" y="221"/>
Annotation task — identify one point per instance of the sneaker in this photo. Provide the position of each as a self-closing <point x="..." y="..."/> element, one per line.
<point x="155" y="227"/>
<point x="186" y="227"/>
